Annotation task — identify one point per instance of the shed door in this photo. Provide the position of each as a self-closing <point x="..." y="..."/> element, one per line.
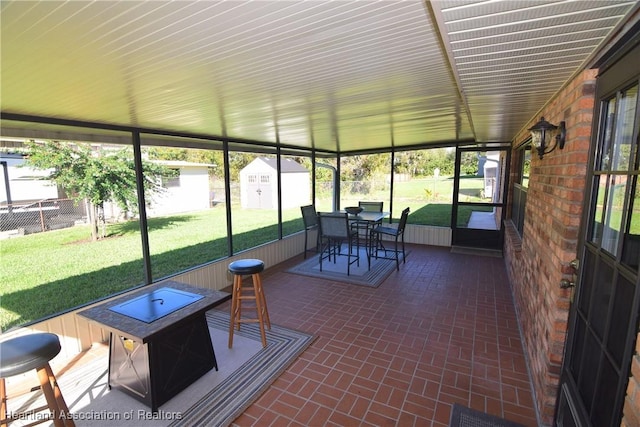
<point x="259" y="191"/>
<point x="604" y="315"/>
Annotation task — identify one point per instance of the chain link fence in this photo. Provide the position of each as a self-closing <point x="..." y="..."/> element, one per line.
<point x="41" y="215"/>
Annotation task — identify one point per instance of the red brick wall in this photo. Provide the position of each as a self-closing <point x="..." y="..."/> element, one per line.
<point x="539" y="261"/>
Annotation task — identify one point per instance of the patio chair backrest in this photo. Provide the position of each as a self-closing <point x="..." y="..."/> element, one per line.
<point x="309" y="216"/>
<point x="403" y="220"/>
<point x="371" y="206"/>
<point x="334" y="225"/>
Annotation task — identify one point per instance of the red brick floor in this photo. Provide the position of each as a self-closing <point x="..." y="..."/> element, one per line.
<point x="440" y="331"/>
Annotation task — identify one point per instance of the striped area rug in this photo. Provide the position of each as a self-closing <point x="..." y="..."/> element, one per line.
<point x="215" y="399"/>
<point x="233" y="395"/>
<point x="359" y="275"/>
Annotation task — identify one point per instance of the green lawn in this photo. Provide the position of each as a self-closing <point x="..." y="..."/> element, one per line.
<point x="47" y="273"/>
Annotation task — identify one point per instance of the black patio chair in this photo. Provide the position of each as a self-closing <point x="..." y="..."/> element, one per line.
<point x="397" y="233"/>
<point x="310" y="218"/>
<point x="365" y="227"/>
<point x="334" y="233"/>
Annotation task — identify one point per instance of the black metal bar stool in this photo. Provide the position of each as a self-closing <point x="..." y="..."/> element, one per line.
<point x="24" y="353"/>
<point x="255" y="293"/>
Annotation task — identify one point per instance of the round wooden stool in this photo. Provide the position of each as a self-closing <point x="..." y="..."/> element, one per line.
<point x="22" y="354"/>
<point x="255" y="293"/>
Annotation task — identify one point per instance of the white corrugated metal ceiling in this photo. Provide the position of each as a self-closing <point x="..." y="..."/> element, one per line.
<point x="333" y="75"/>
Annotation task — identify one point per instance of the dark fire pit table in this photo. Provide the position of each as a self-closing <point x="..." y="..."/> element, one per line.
<point x="159" y="339"/>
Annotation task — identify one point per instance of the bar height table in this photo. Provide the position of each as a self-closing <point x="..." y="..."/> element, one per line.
<point x="163" y="351"/>
<point x="370" y="219"/>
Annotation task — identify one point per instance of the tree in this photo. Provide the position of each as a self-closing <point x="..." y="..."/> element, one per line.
<point x="363" y="170"/>
<point x="97" y="175"/>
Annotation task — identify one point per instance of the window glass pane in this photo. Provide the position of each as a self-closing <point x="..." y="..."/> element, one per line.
<point x="621" y="149"/>
<point x="478" y="217"/>
<point x="577" y="350"/>
<point x="589" y="371"/>
<point x="518" y="208"/>
<point x="296" y="191"/>
<point x="599" y="188"/>
<point x="254" y="198"/>
<point x="608" y="385"/>
<point x="605" y="146"/>
<point x="631" y="247"/>
<point x="326" y="174"/>
<point x="525" y="167"/>
<point x="480" y="175"/>
<point x="365" y="178"/>
<point x="423" y="181"/>
<point x="587" y="284"/>
<point x="602" y="289"/>
<point x="480" y="182"/>
<point x="186" y="213"/>
<point x="613" y="213"/>
<point x="620" y="318"/>
<point x="62" y="252"/>
<point x="615" y="148"/>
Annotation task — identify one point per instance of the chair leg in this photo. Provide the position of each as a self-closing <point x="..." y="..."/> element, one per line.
<point x="349" y="252"/>
<point x="396" y="250"/>
<point x="358" y="251"/>
<point x="369" y="247"/>
<point x="305" y="243"/>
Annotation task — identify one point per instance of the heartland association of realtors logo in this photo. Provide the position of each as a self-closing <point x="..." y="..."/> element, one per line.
<point x="140" y="414"/>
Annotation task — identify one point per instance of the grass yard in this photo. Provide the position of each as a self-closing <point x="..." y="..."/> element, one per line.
<point x="48" y="273"/>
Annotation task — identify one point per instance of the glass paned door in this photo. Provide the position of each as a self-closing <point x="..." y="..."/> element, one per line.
<point x="478" y="199"/>
<point x="604" y="317"/>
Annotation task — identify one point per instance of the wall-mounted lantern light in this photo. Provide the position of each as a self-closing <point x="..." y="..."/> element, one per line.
<point x="545" y="137"/>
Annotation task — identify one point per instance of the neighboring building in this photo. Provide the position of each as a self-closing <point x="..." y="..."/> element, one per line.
<point x="259" y="184"/>
<point x="188" y="191"/>
<point x="29" y="203"/>
<point x="39" y="205"/>
<point x="24" y="185"/>
<point x="490" y="168"/>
